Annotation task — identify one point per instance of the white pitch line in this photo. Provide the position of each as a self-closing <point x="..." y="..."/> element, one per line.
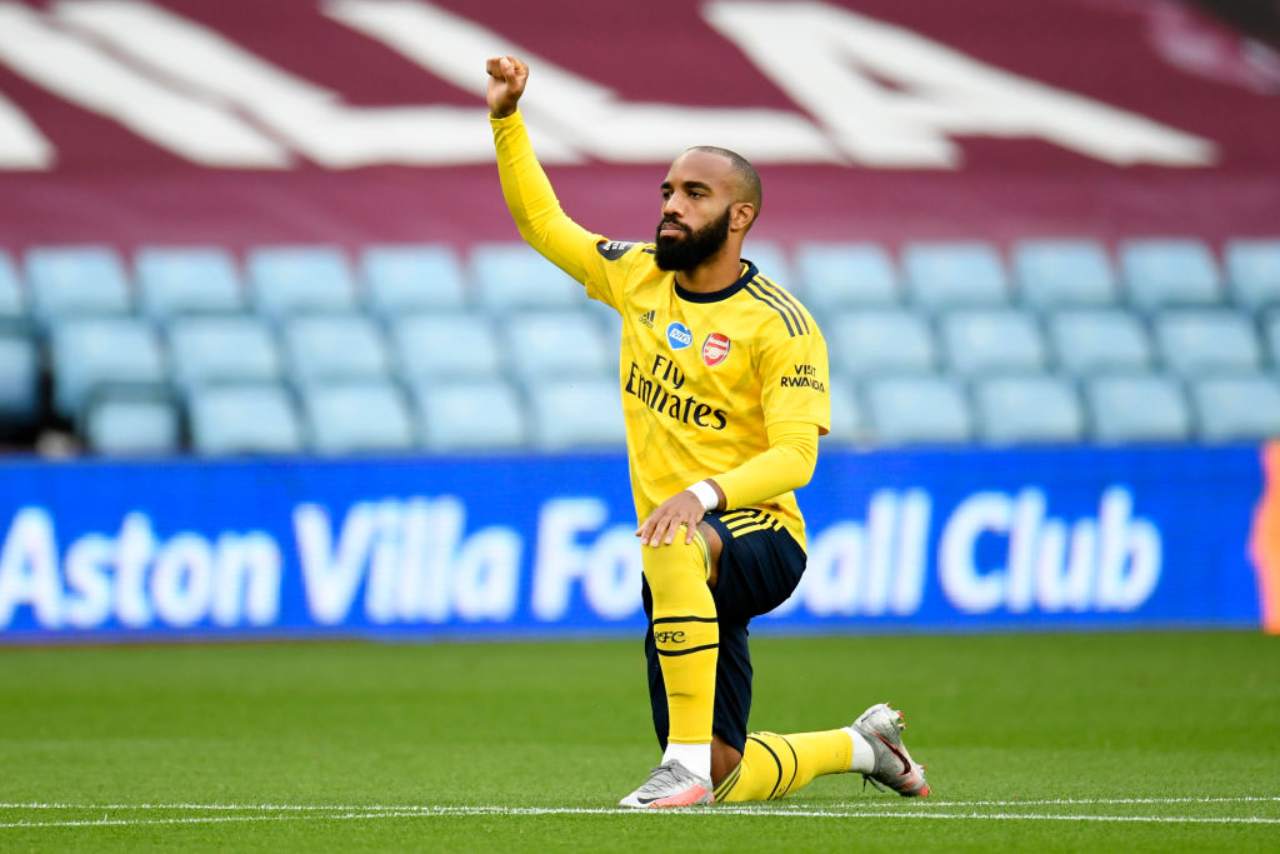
<point x="556" y="811"/>
<point x="851" y="805"/>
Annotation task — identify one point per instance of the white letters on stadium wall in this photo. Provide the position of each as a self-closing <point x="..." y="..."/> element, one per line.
<point x="1113" y="563"/>
<point x="313" y="120"/>
<point x="231" y="580"/>
<point x="202" y="132"/>
<point x="609" y="568"/>
<point x="870" y="568"/>
<point x="593" y="117"/>
<point x="413" y="559"/>
<point x="184" y="87"/>
<point x="22" y="146"/>
<point x="820" y="55"/>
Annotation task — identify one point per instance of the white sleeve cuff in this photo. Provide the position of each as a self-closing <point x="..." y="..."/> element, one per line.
<point x="706" y="493"/>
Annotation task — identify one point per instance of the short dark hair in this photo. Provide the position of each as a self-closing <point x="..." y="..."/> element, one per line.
<point x="748" y="178"/>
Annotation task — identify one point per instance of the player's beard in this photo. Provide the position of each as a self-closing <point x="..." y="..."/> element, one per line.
<point x="685" y="253"/>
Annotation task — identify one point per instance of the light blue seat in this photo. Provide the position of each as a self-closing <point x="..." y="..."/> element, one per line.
<point x="992" y="341"/>
<point x="1054" y="274"/>
<point x="208" y="350"/>
<point x="76" y="281"/>
<point x="1137" y="408"/>
<point x="288" y="280"/>
<point x="847" y="420"/>
<point x="244" y="419"/>
<point x="174" y="282"/>
<point x="409" y="279"/>
<point x="943" y="276"/>
<point x="558" y="345"/>
<point x="19" y="379"/>
<point x="918" y="410"/>
<point x="122" y="424"/>
<point x="511" y="276"/>
<point x="12" y="304"/>
<point x="866" y="343"/>
<point x="445" y="346"/>
<point x="1253" y="269"/>
<point x="1092" y="341"/>
<point x="91" y="353"/>
<point x="470" y="416"/>
<point x="771" y="261"/>
<point x="1160" y="273"/>
<point x="577" y="414"/>
<point x="1028" y="409"/>
<point x="1202" y="341"/>
<point x="357" y="417"/>
<point x="330" y="348"/>
<point x="1240" y="408"/>
<point x="839" y="276"/>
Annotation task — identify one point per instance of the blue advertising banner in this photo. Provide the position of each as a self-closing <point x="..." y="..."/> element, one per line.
<point x="510" y="546"/>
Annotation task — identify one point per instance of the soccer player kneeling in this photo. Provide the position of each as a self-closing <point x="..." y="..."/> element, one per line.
<point x="724" y="393"/>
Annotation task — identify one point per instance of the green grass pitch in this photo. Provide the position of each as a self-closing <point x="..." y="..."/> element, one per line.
<point x="1051" y="742"/>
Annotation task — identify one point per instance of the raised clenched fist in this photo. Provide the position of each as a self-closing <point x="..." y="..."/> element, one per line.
<point x="507" y="77"/>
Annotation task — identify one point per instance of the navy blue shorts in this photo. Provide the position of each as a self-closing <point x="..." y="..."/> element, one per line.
<point x="759" y="567"/>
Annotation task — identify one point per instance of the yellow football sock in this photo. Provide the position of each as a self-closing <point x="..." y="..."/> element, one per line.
<point x="776" y="765"/>
<point x="687" y="635"/>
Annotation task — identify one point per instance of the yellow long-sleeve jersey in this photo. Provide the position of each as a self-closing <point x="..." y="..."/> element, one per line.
<point x="730" y="385"/>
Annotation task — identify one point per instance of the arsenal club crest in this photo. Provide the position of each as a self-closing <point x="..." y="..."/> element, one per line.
<point x="715" y="349"/>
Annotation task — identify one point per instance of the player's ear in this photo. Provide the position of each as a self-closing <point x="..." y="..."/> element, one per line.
<point x="741" y="216"/>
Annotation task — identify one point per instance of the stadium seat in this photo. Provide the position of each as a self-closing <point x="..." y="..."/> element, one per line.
<point x="1164" y="273"/>
<point x="244" y="419"/>
<point x="1028" y="409"/>
<point x="173" y="282"/>
<point x="1238" y="408"/>
<point x="512" y="276"/>
<point x="403" y="280"/>
<point x="1092" y="341"/>
<point x="89" y="354"/>
<point x="480" y="415"/>
<point x="12" y="307"/>
<point x="357" y="417"/>
<point x="330" y="348"/>
<point x="772" y="263"/>
<point x="128" y="424"/>
<point x="19" y="379"/>
<point x="558" y="345"/>
<point x="1137" y="408"/>
<point x="445" y="346"/>
<point x="846" y="415"/>
<point x="992" y="341"/>
<point x="879" y="342"/>
<point x="1200" y="341"/>
<point x="839" y="276"/>
<point x="76" y="281"/>
<point x="205" y="350"/>
<point x="287" y="280"/>
<point x="954" y="275"/>
<point x="577" y="413"/>
<point x="1253" y="269"/>
<point x="1054" y="274"/>
<point x="918" y="410"/>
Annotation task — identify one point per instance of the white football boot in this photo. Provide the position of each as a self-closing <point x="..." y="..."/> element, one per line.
<point x="670" y="785"/>
<point x="882" y="727"/>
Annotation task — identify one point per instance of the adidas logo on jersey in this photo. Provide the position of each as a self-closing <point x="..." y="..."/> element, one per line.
<point x="648" y="317"/>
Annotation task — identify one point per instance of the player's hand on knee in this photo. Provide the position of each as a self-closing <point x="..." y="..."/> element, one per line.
<point x="683" y="508"/>
<point x="507" y="79"/>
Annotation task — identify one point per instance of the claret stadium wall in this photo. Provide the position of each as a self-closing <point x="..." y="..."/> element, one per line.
<point x="352" y="123"/>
